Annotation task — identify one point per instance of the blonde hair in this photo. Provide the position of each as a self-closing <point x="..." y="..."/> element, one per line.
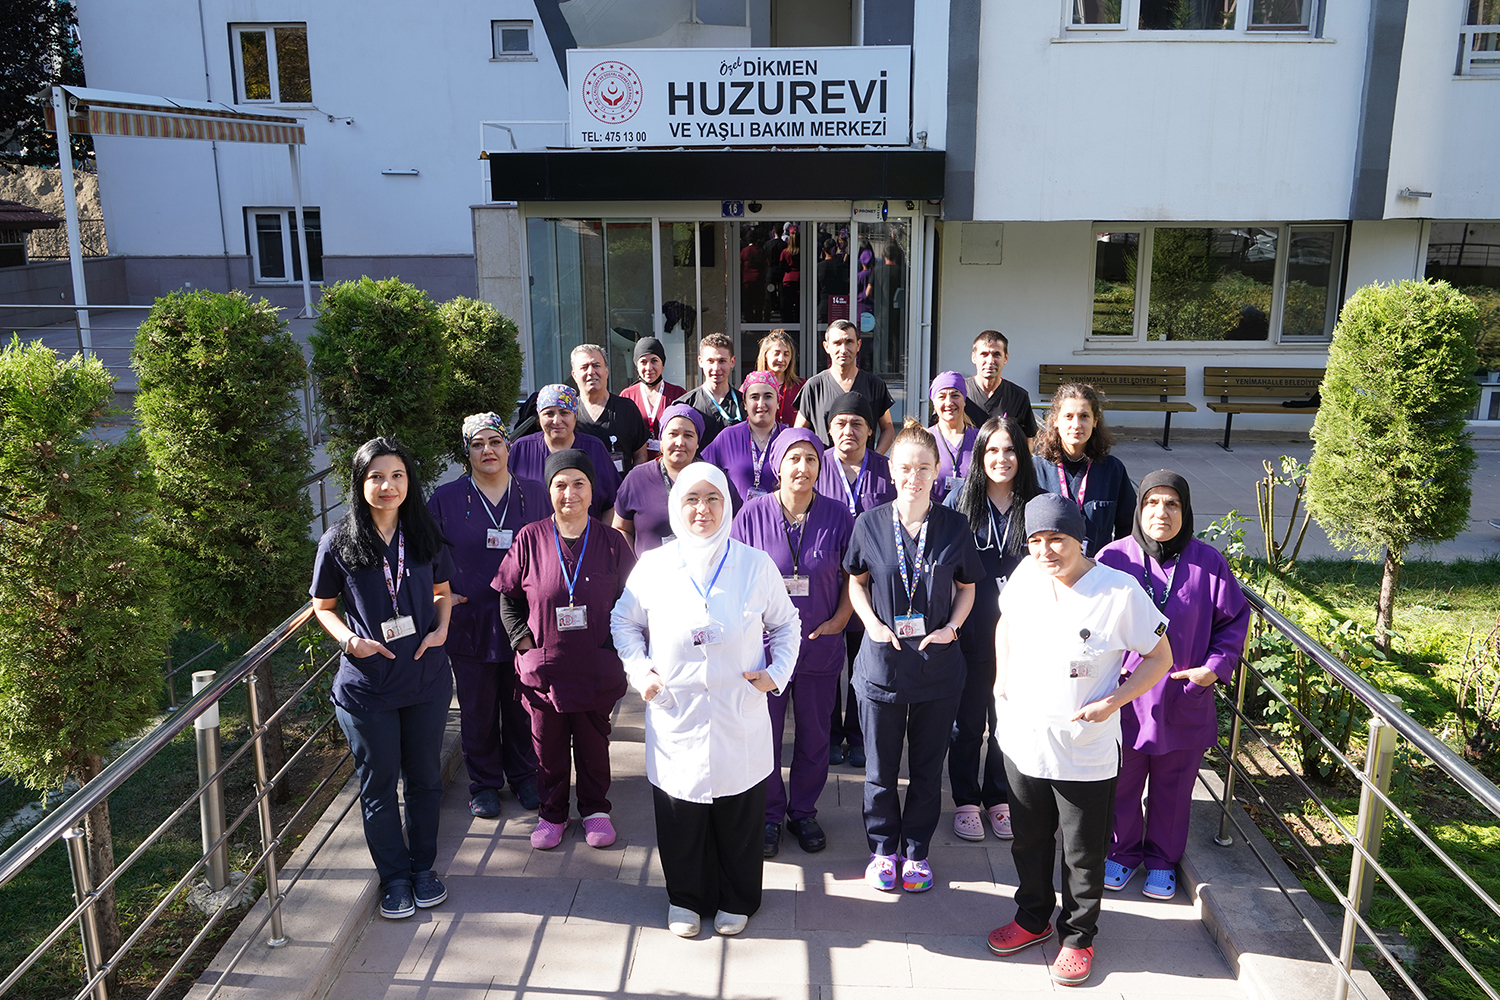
<point x="777" y="336"/>
<point x="912" y="432"/>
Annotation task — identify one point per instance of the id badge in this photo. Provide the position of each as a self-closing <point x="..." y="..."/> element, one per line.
<point x="398" y="627"/>
<point x="572" y="618"/>
<point x="796" y="586"/>
<point x="910" y="627"/>
<point x="708" y="635"/>
<point x="954" y="482"/>
<point x="653" y="444"/>
<point x="619" y="462"/>
<point x="497" y="538"/>
<point x="752" y="493"/>
<point x="1082" y="669"/>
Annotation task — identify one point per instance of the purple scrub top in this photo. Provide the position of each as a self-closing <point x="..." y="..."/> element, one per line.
<point x="577" y="670"/>
<point x="733" y="450"/>
<point x="528" y="458"/>
<point x="464" y="516"/>
<point x="643" y="500"/>
<point x="952" y="462"/>
<point x="824" y="538"/>
<point x="875" y="484"/>
<point x="1207" y="620"/>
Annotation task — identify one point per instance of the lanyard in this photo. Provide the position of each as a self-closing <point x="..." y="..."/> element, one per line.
<point x="909" y="580"/>
<point x="727" y="418"/>
<point x="1166" y="593"/>
<point x="392" y="586"/>
<point x="484" y="502"/>
<point x="758" y="455"/>
<point x="952" y="455"/>
<point x="1083" y="484"/>
<point x="578" y="566"/>
<point x="796" y="550"/>
<point x="661" y="467"/>
<point x="661" y="397"/>
<point x="853" y="492"/>
<point x="701" y="592"/>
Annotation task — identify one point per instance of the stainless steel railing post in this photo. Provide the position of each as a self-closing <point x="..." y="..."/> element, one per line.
<point x="1224" y="838"/>
<point x="211" y="802"/>
<point x="263" y="807"/>
<point x="1379" y="753"/>
<point x="88" y="922"/>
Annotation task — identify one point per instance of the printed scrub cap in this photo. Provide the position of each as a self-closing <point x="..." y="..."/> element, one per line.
<point x="477" y="422"/>
<point x="759" y="377"/>
<point x="557" y="394"/>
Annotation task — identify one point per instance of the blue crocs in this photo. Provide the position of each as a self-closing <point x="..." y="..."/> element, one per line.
<point x="1116" y="875"/>
<point x="1161" y="883"/>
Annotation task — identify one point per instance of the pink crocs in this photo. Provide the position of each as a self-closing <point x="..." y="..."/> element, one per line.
<point x="598" y="831"/>
<point x="547" y="834"/>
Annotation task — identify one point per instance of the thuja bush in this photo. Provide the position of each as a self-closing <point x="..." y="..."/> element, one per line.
<point x="484" y="369"/>
<point x="381" y="361"/>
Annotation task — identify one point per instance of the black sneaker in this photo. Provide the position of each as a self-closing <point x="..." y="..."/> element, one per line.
<point x="527" y="794"/>
<point x="808" y="833"/>
<point x="429" y="889"/>
<point x="773" y="840"/>
<point x="396" y="900"/>
<point x="856" y="756"/>
<point x="835" y="753"/>
<point x="485" y="804"/>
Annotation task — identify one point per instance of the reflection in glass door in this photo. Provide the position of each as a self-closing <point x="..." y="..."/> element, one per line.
<point x="770" y="284"/>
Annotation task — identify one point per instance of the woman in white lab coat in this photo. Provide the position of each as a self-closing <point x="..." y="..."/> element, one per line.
<point x="705" y="602"/>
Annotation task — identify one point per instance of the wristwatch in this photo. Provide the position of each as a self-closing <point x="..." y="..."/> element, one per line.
<point x="344" y="646"/>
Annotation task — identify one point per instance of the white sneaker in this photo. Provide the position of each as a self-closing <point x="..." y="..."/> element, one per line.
<point x="682" y="921"/>
<point x="1000" y="821"/>
<point x="730" y="924"/>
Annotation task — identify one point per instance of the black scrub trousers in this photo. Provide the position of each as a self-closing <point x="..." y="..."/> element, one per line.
<point x="908" y="697"/>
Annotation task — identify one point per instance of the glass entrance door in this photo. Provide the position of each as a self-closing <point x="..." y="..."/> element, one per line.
<point x="771" y="264"/>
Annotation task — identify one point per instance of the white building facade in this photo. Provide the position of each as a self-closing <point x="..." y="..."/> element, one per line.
<point x="1108" y="182"/>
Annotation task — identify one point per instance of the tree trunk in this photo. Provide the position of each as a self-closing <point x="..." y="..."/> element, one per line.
<point x="275" y="752"/>
<point x="1385" y="606"/>
<point x="101" y="851"/>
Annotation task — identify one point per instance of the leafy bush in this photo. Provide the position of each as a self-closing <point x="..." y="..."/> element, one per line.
<point x="484" y="373"/>
<point x="380" y="358"/>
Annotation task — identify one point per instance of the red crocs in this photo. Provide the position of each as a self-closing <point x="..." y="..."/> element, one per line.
<point x="1013" y="937"/>
<point x="1072" y="966"/>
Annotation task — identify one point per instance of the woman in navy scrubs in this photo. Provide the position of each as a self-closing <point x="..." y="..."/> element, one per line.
<point x="480" y="514"/>
<point x="387" y="562"/>
<point x="1072" y="460"/>
<point x="912" y="569"/>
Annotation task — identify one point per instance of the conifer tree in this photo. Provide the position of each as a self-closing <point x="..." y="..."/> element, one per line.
<point x="484" y="358"/>
<point x="1391" y="456"/>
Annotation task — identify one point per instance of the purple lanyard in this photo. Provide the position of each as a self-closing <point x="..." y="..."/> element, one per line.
<point x="916" y="562"/>
<point x="392" y="586"/>
<point x="1083" y="484"/>
<point x="758" y="456"/>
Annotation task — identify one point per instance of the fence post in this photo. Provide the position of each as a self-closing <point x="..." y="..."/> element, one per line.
<point x="88" y="922"/>
<point x="211" y="802"/>
<point x="1379" y="753"/>
<point x="263" y="807"/>
<point x="1224" y="837"/>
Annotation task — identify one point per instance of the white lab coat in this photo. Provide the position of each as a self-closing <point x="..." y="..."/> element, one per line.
<point x="708" y="734"/>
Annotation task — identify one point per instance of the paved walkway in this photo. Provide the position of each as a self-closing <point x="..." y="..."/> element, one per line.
<point x="580" y="922"/>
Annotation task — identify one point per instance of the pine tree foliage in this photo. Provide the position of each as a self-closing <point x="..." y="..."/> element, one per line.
<point x="1391" y="459"/>
<point x="221" y="415"/>
<point x="84" y="596"/>
<point x="38" y="49"/>
<point x="381" y="364"/>
<point x="484" y="355"/>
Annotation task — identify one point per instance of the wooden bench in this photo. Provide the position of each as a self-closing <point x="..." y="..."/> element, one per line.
<point x="1259" y="384"/>
<point x="1161" y="382"/>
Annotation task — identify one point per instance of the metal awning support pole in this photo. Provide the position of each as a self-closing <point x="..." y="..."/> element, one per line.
<point x="70" y="210"/>
<point x="300" y="222"/>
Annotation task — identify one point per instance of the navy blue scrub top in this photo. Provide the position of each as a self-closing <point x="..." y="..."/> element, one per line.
<point x="881" y="673"/>
<point x="1108" y="503"/>
<point x="374" y="683"/>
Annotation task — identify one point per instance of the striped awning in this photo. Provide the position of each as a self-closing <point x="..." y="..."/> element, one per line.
<point x="92" y="111"/>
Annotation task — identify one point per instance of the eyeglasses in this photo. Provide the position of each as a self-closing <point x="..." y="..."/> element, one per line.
<point x="712" y="500"/>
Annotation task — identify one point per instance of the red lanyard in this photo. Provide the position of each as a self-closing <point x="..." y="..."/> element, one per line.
<point x="1083" y="484"/>
<point x="392" y="586"/>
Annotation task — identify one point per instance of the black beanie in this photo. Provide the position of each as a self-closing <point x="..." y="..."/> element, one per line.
<point x="855" y="404"/>
<point x="568" y="458"/>
<point x="649" y="345"/>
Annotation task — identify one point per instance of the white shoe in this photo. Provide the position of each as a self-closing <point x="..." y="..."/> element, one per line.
<point x="1000" y="821"/>
<point x="682" y="921"/>
<point x="730" y="924"/>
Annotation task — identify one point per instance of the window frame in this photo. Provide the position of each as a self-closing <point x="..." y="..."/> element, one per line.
<point x="1468" y="29"/>
<point x="1276" y="337"/>
<point x="1243" y="29"/>
<point x="289" y="250"/>
<point x="498" y="25"/>
<point x="237" y="60"/>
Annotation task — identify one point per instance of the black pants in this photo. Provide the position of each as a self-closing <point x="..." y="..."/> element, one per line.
<point x="977" y="783"/>
<point x="1084" y="811"/>
<point x="711" y="852"/>
<point x="924" y="728"/>
<point x="844" y="727"/>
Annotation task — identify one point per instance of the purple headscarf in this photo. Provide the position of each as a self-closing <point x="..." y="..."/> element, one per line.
<point x="788" y="437"/>
<point x="946" y="380"/>
<point x="682" y="410"/>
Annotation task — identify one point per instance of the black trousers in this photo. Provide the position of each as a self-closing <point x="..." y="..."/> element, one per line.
<point x="924" y="728"/>
<point x="1084" y="811"/>
<point x="844" y="727"/>
<point x="975" y="783"/>
<point x="711" y="852"/>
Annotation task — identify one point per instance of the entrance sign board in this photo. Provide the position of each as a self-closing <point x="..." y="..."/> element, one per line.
<point x="836" y="96"/>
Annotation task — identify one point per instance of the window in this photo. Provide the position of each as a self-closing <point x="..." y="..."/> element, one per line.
<point x="270" y="63"/>
<point x="1216" y="283"/>
<point x="1194" y="15"/>
<point x="272" y="237"/>
<point x="1479" y="42"/>
<point x="1467" y="256"/>
<point x="511" y="39"/>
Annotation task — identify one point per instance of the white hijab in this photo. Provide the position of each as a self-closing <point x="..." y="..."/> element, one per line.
<point x="700" y="554"/>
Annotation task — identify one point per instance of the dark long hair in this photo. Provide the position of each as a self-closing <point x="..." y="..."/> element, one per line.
<point x="355" y="539"/>
<point x="973" y="498"/>
<point x="1049" y="445"/>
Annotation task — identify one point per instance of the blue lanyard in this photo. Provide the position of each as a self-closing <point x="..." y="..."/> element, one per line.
<point x="700" y="590"/>
<point x="578" y="566"/>
<point x="489" y="509"/>
<point x="859" y="480"/>
<point x="729" y="396"/>
<point x="913" y="579"/>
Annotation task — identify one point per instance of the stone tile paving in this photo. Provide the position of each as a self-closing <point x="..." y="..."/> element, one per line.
<point x="579" y="922"/>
